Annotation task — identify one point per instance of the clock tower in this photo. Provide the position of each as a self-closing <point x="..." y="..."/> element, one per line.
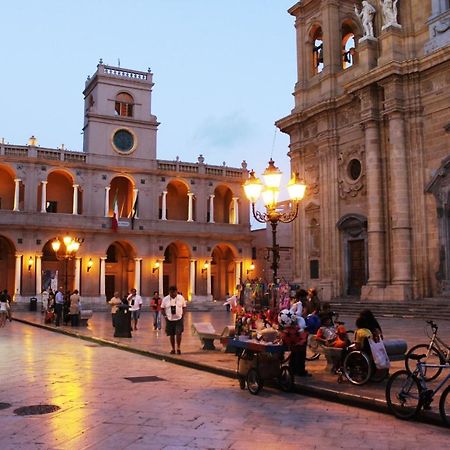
<point x="117" y="113"/>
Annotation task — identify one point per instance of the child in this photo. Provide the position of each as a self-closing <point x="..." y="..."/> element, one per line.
<point x="326" y="335"/>
<point x="342" y="340"/>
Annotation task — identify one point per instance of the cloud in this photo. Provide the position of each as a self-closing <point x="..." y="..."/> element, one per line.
<point x="224" y="132"/>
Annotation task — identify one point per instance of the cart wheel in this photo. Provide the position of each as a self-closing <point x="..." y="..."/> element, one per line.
<point x="286" y="380"/>
<point x="254" y="382"/>
<point x="241" y="382"/>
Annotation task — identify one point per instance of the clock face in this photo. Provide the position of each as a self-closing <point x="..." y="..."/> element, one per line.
<point x="123" y="141"/>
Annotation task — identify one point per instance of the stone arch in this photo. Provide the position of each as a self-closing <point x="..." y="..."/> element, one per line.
<point x="177" y="200"/>
<point x="223" y="267"/>
<point x="177" y="256"/>
<point x="7" y="264"/>
<point x="316" y="43"/>
<point x="7" y="187"/>
<point x="353" y="229"/>
<point x="350" y="33"/>
<point x="119" y="268"/>
<point x="121" y="186"/>
<point x="59" y="192"/>
<point x="223" y="204"/>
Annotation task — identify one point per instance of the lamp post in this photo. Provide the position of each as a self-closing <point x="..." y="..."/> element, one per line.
<point x="71" y="246"/>
<point x="253" y="188"/>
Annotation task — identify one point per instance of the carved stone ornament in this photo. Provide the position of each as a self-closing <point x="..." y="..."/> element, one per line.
<point x="312" y="180"/>
<point x="389" y="8"/>
<point x="351" y="172"/>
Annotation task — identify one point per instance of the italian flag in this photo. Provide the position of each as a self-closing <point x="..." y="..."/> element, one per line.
<point x="115" y="217"/>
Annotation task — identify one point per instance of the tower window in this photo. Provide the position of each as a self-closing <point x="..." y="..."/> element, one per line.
<point x="348" y="45"/>
<point x="317" y="50"/>
<point x="124" y="105"/>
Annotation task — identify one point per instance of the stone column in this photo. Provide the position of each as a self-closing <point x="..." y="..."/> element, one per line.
<point x="237" y="270"/>
<point x="211" y="208"/>
<point x="192" y="278"/>
<point x="107" y="189"/>
<point x="137" y="275"/>
<point x="16" y="194"/>
<point x="75" y="200"/>
<point x="208" y="279"/>
<point x="44" y="196"/>
<point x="135" y="194"/>
<point x="235" y="210"/>
<point x="164" y="206"/>
<point x="161" y="277"/>
<point x="77" y="273"/>
<point x="399" y="199"/>
<point x="375" y="213"/>
<point x="38" y="274"/>
<point x="102" y="275"/>
<point x="18" y="275"/>
<point x="190" y="206"/>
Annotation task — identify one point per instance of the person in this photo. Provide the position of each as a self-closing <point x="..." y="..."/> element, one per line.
<point x="74" y="308"/>
<point x="312" y="305"/>
<point x="114" y="302"/>
<point x="3" y="308"/>
<point x="66" y="308"/>
<point x="366" y="16"/>
<point x="8" y="305"/>
<point x="172" y="308"/>
<point x="45" y="297"/>
<point x="371" y="323"/>
<point x="135" y="303"/>
<point x="342" y="340"/>
<point x="155" y="305"/>
<point x="326" y="334"/>
<point x="59" y="304"/>
<point x="362" y="333"/>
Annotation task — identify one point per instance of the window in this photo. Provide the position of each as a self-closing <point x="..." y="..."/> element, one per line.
<point x="317" y="50"/>
<point x="254" y="253"/>
<point x="354" y="169"/>
<point x="348" y="50"/>
<point x="314" y="269"/>
<point x="51" y="207"/>
<point x="124" y="105"/>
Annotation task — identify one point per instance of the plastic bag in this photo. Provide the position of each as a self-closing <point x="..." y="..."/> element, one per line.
<point x="379" y="354"/>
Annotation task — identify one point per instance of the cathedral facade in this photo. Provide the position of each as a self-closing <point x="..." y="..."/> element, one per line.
<point x="370" y="134"/>
<point x="130" y="220"/>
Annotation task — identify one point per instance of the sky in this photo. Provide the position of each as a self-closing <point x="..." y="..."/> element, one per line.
<point x="224" y="72"/>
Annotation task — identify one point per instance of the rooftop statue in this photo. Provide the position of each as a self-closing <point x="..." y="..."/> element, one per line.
<point x="389" y="13"/>
<point x="366" y="16"/>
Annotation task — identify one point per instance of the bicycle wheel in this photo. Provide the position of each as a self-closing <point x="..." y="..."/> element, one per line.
<point x="403" y="395"/>
<point x="444" y="406"/>
<point x="434" y="356"/>
<point x="357" y="367"/>
<point x="254" y="382"/>
<point x="286" y="380"/>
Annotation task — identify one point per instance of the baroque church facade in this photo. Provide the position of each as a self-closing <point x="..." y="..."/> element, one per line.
<point x="370" y="134"/>
<point x="176" y="222"/>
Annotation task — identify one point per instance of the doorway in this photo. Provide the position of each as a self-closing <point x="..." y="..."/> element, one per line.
<point x="110" y="286"/>
<point x="356" y="266"/>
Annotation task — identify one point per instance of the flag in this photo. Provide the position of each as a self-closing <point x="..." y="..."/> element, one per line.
<point x="134" y="211"/>
<point x="115" y="217"/>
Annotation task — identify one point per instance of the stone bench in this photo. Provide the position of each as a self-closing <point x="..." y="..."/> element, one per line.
<point x="85" y="315"/>
<point x="207" y="334"/>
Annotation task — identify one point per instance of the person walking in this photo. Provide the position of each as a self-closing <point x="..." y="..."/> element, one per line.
<point x="59" y="304"/>
<point x="74" y="309"/>
<point x="3" y="308"/>
<point x="135" y="303"/>
<point x="155" y="305"/>
<point x="115" y="302"/>
<point x="172" y="308"/>
<point x="44" y="298"/>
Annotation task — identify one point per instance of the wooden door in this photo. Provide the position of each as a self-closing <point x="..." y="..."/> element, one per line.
<point x="110" y="286"/>
<point x="356" y="266"/>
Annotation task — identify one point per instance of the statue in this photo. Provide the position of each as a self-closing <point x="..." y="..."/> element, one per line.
<point x="389" y="13"/>
<point x="366" y="17"/>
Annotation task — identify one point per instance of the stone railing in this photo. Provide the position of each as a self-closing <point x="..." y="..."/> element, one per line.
<point x="46" y="154"/>
<point x="125" y="73"/>
<point x="15" y="151"/>
<point x="216" y="171"/>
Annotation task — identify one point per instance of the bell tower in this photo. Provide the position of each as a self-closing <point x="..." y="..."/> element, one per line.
<point x="117" y="113"/>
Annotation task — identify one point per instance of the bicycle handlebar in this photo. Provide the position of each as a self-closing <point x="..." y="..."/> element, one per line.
<point x="432" y="324"/>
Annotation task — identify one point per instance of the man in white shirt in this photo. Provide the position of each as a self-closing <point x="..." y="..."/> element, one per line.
<point x="135" y="304"/>
<point x="172" y="308"/>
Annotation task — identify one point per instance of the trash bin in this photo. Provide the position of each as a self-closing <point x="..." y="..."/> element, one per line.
<point x="33" y="304"/>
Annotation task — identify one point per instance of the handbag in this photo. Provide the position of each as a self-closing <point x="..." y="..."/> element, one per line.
<point x="379" y="354"/>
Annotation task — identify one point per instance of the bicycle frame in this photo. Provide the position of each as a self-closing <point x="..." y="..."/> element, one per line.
<point x="421" y="377"/>
<point x="438" y="342"/>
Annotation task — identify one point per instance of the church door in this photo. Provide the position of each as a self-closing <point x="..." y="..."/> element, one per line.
<point x="357" y="271"/>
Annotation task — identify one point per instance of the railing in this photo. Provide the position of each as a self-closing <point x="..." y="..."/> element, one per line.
<point x="125" y="73"/>
<point x="18" y="152"/>
<point x="53" y="155"/>
<point x="75" y="157"/>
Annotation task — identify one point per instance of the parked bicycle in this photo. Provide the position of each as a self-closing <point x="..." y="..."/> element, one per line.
<point x="407" y="392"/>
<point x="435" y="354"/>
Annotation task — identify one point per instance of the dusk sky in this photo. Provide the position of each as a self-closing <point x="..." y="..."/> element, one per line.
<point x="224" y="72"/>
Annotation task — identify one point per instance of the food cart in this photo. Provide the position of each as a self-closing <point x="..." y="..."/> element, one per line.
<point x="259" y="362"/>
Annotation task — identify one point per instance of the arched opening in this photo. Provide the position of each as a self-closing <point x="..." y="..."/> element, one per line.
<point x="121" y="191"/>
<point x="317" y="49"/>
<point x="7" y="188"/>
<point x="348" y="45"/>
<point x="124" y="105"/>
<point x="223" y="276"/>
<point x="176" y="267"/>
<point x="177" y="201"/>
<point x="119" y="269"/>
<point x="7" y="265"/>
<point x="59" y="196"/>
<point x="223" y="204"/>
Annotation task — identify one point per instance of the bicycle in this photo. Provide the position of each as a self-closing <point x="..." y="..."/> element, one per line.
<point x="407" y="392"/>
<point x="435" y="354"/>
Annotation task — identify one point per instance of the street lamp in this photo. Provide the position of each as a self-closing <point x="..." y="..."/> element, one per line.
<point x="253" y="188"/>
<point x="71" y="246"/>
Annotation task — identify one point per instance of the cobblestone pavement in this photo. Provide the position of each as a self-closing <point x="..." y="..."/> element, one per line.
<point x="100" y="409"/>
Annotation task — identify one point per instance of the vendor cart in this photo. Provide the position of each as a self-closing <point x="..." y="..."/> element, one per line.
<point x="259" y="362"/>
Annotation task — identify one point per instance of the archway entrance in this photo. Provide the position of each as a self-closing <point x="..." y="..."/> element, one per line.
<point x="6" y="189"/>
<point x="7" y="265"/>
<point x="223" y="275"/>
<point x="176" y="267"/>
<point x="119" y="273"/>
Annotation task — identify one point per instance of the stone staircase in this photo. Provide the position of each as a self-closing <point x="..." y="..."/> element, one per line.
<point x="209" y="306"/>
<point x="428" y="308"/>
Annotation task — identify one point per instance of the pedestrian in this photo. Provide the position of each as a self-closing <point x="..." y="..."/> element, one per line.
<point x="44" y="298"/>
<point x="74" y="309"/>
<point x="312" y="305"/>
<point x="59" y="304"/>
<point x="135" y="303"/>
<point x="155" y="305"/>
<point x="172" y="308"/>
<point x="3" y="308"/>
<point x="114" y="302"/>
<point x="8" y="305"/>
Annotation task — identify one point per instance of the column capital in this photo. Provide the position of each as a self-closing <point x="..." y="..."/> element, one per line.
<point x="103" y="258"/>
<point x="75" y="185"/>
<point x="17" y="180"/>
<point x="135" y="190"/>
<point x="138" y="259"/>
<point x="193" y="260"/>
<point x="212" y="195"/>
<point x="18" y="255"/>
<point x="44" y="182"/>
<point x="164" y="192"/>
<point x="190" y="194"/>
<point x="107" y="188"/>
